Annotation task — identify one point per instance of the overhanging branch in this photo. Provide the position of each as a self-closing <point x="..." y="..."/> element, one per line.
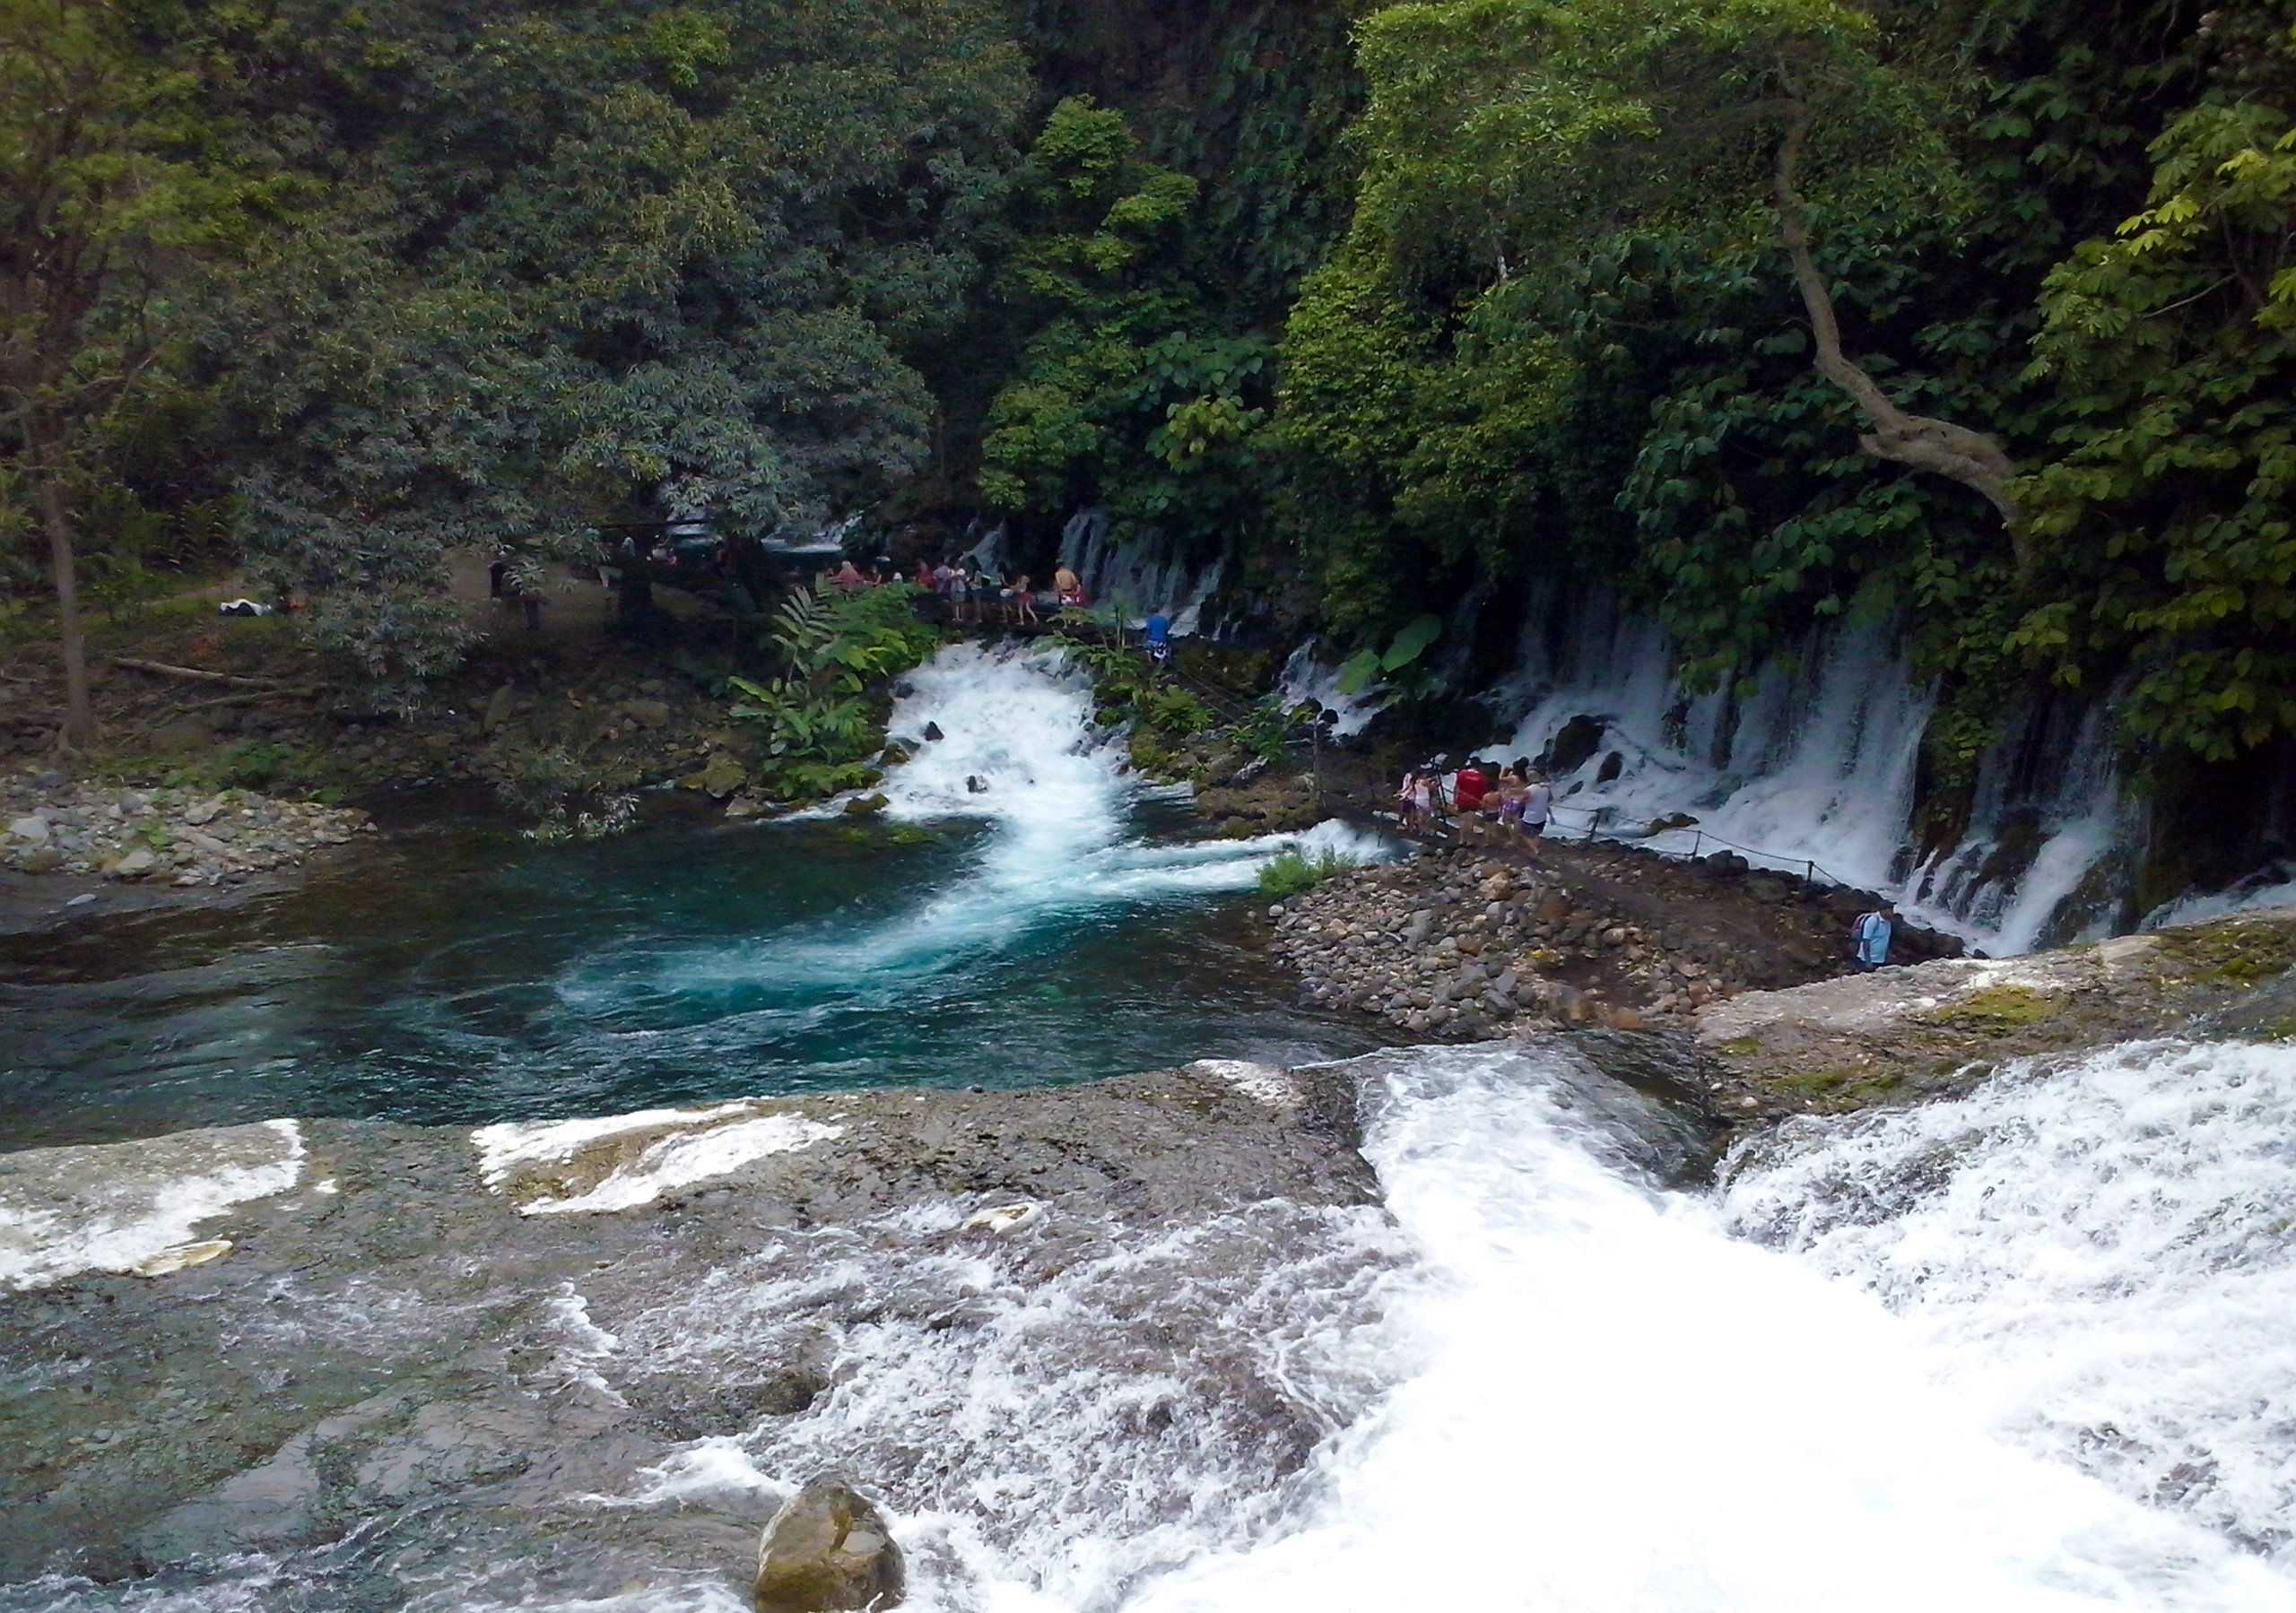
<point x="1970" y="458"/>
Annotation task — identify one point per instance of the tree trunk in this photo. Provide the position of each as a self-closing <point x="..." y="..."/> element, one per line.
<point x="1970" y="458"/>
<point x="79" y="712"/>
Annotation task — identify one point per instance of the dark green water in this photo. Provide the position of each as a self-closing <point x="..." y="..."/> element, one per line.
<point x="464" y="976"/>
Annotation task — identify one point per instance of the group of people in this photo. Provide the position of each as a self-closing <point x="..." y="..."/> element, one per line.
<point x="973" y="594"/>
<point x="1514" y="806"/>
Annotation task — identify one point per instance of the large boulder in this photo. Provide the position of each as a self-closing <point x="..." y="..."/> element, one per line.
<point x="827" y="1551"/>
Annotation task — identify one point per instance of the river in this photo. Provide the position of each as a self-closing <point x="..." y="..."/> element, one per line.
<point x="1024" y="912"/>
<point x="2024" y="1351"/>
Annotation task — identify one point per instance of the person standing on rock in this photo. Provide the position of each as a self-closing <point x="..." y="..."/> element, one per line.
<point x="1514" y="793"/>
<point x="1467" y="790"/>
<point x="1538" y="806"/>
<point x="1410" y="800"/>
<point x="1871" y="937"/>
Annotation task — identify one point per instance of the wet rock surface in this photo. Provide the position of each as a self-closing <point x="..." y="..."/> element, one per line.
<point x="392" y="1331"/>
<point x="184" y="837"/>
<point x="828" y="1550"/>
<point x="1936" y="1029"/>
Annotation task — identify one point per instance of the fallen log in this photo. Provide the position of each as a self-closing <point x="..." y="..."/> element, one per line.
<point x="163" y="670"/>
<point x="251" y="697"/>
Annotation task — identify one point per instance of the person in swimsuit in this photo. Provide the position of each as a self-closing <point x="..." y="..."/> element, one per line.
<point x="1512" y="794"/>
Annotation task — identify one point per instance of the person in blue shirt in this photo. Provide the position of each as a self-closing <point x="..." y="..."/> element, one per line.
<point x="1160" y="635"/>
<point x="1871" y="933"/>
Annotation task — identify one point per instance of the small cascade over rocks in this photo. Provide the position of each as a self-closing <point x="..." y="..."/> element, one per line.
<point x="1137" y="571"/>
<point x="1815" y="767"/>
<point x="1019" y="753"/>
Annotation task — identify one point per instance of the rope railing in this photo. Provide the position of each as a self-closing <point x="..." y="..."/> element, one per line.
<point x="1700" y="838"/>
<point x="1596" y="818"/>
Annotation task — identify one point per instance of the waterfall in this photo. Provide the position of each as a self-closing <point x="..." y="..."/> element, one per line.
<point x="2023" y="1351"/>
<point x="1138" y="570"/>
<point x="1604" y="1404"/>
<point x="1311" y="678"/>
<point x="1815" y="767"/>
<point x="2009" y="1355"/>
<point x="2096" y="1255"/>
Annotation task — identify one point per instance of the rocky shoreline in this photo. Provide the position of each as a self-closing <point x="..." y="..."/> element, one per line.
<point x="181" y="836"/>
<point x="1477" y="942"/>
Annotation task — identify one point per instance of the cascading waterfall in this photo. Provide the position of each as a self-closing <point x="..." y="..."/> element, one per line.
<point x="1018" y="749"/>
<point x="2097" y="1255"/>
<point x="2023" y="1351"/>
<point x="1815" y="765"/>
<point x="1137" y="572"/>
<point x="1551" y="1384"/>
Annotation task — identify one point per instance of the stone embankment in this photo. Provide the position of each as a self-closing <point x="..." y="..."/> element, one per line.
<point x="183" y="837"/>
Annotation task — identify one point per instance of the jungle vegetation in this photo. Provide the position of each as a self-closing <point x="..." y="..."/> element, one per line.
<point x="1974" y="314"/>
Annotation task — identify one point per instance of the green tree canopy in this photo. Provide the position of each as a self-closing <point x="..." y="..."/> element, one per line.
<point x="114" y="179"/>
<point x="592" y="261"/>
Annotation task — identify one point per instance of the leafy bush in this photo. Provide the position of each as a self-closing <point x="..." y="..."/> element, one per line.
<point x="826" y="713"/>
<point x="1266" y="730"/>
<point x="1294" y="872"/>
<point x="1174" y="712"/>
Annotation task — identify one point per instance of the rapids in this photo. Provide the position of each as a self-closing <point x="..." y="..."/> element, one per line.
<point x="2026" y="1351"/>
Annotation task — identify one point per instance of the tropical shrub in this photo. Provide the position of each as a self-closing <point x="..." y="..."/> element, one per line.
<point x="825" y="714"/>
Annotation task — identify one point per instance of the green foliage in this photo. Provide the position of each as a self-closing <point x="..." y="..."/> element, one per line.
<point x="1293" y="872"/>
<point x="825" y="714"/>
<point x="1130" y="393"/>
<point x="117" y="184"/>
<point x="1359" y="672"/>
<point x="2163" y="530"/>
<point x="586" y="261"/>
<point x="1174" y="713"/>
<point x="1264" y="731"/>
<point x="1560" y="341"/>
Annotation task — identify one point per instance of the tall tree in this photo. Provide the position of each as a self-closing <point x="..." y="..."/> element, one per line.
<point x="111" y="179"/>
<point x="1558" y="126"/>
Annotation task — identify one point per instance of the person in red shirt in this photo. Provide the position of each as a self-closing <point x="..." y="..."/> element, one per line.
<point x="1467" y="790"/>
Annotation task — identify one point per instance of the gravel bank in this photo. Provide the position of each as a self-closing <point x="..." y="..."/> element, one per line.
<point x="181" y="838"/>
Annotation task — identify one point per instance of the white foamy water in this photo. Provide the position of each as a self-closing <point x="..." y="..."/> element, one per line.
<point x="1622" y="1410"/>
<point x="114" y="1207"/>
<point x="1816" y="766"/>
<point x="2025" y="1352"/>
<point x="1552" y="1384"/>
<point x="1018" y="751"/>
<point x="662" y="1150"/>
<point x="2098" y="1259"/>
